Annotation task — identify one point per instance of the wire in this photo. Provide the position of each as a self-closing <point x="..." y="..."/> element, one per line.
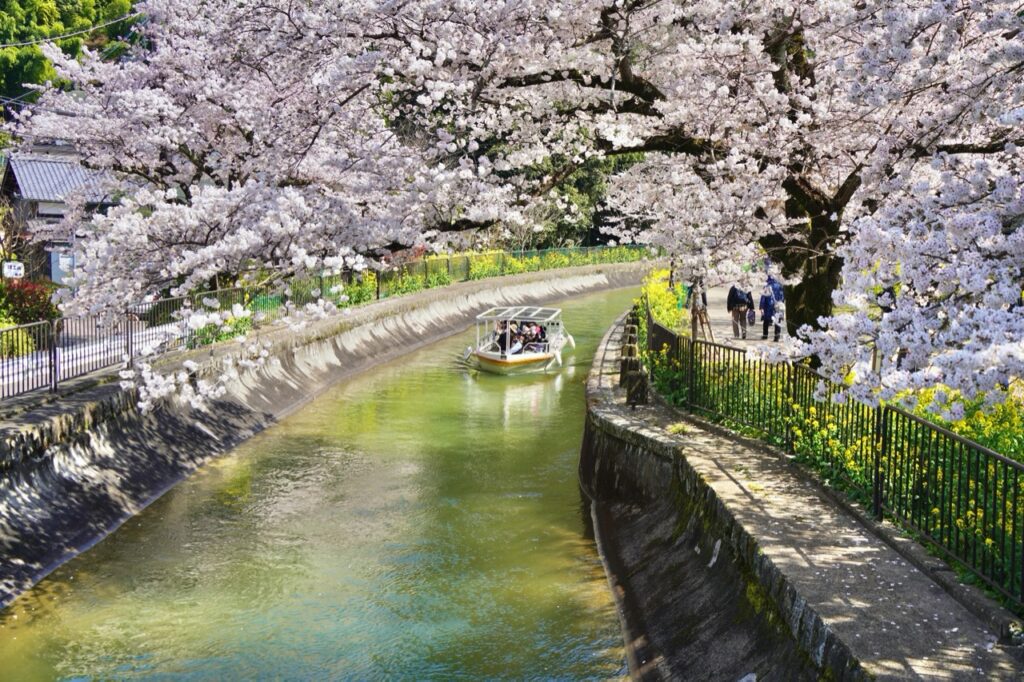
<point x="13" y="101"/>
<point x="51" y="39"/>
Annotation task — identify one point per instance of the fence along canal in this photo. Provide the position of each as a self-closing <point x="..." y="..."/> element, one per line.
<point x="959" y="497"/>
<point x="43" y="354"/>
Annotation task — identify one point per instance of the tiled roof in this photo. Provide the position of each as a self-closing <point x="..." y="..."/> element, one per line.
<point x="51" y="177"/>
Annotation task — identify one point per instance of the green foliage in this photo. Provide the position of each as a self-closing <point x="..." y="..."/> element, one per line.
<point x="578" y="194"/>
<point x="266" y="305"/>
<point x="485" y="265"/>
<point x="665" y="303"/>
<point x="362" y="290"/>
<point x="406" y="284"/>
<point x="999" y="428"/>
<point x="16" y="343"/>
<point x="516" y="266"/>
<point x="26" y="302"/>
<point x="304" y="290"/>
<point x="552" y="260"/>
<point x="31" y="20"/>
<point x="438" y="279"/>
<point x="214" y="333"/>
<point x="164" y="312"/>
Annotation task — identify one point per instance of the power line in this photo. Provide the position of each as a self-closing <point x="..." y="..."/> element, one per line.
<point x="51" y="39"/>
<point x="13" y="101"/>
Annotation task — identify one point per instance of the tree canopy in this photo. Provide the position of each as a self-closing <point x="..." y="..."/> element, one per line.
<point x="28" y="21"/>
<point x="862" y="145"/>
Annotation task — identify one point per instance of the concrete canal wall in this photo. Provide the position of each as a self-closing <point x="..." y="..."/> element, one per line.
<point x="694" y="599"/>
<point x="72" y="469"/>
<point x="729" y="562"/>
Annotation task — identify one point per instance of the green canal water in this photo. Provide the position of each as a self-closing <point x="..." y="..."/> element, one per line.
<point x="417" y="522"/>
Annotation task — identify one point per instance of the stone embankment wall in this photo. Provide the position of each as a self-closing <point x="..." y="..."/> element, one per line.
<point x="696" y="597"/>
<point x="74" y="468"/>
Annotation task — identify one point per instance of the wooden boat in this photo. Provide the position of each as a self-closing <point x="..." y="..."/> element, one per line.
<point x="519" y="340"/>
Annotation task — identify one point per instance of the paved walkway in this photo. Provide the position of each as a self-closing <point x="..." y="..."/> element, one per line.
<point x="721" y="320"/>
<point x="893" y="617"/>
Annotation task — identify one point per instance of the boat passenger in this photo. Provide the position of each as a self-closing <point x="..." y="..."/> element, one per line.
<point x="517" y="345"/>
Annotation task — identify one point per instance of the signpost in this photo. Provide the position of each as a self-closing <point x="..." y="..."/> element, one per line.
<point x="13" y="269"/>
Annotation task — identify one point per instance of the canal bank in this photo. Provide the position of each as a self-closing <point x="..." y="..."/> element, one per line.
<point x="728" y="561"/>
<point x="416" y="521"/>
<point x="75" y="468"/>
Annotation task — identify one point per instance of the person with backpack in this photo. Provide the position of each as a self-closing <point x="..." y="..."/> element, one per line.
<point x="737" y="304"/>
<point x="773" y="308"/>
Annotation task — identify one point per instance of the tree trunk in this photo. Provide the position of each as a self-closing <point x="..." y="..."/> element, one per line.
<point x="811" y="298"/>
<point x="809" y="258"/>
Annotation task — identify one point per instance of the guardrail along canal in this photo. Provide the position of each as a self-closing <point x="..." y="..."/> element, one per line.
<point x="418" y="521"/>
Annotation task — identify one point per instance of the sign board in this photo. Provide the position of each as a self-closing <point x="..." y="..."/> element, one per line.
<point x="13" y="269"/>
<point x="66" y="261"/>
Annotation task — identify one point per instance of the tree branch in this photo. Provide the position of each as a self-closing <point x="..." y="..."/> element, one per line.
<point x="636" y="86"/>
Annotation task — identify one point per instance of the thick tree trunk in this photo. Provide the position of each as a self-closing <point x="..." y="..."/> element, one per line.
<point x="811" y="298"/>
<point x="809" y="258"/>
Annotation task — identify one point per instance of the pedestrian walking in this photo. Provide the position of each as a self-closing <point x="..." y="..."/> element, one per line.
<point x="773" y="308"/>
<point x="737" y="304"/>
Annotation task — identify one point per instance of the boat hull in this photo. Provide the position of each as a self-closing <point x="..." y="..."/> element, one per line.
<point x="525" y="363"/>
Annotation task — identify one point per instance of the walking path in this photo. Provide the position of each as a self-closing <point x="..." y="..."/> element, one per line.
<point x="721" y="320"/>
<point x="896" y="620"/>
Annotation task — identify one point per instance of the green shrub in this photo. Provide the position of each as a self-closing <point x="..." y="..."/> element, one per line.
<point x="214" y="333"/>
<point x="438" y="279"/>
<point x="514" y="266"/>
<point x="665" y="302"/>
<point x="999" y="428"/>
<point x="15" y="343"/>
<point x="485" y="265"/>
<point x="160" y="313"/>
<point x="363" y="290"/>
<point x="554" y="259"/>
<point x="406" y="284"/>
<point x="27" y="302"/>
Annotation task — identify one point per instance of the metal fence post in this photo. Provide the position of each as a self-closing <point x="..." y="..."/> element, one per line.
<point x="128" y="336"/>
<point x="54" y="367"/>
<point x="691" y="392"/>
<point x="881" y="438"/>
<point x="791" y="389"/>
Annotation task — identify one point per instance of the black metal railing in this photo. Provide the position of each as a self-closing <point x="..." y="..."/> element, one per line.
<point x="41" y="355"/>
<point x="958" y="496"/>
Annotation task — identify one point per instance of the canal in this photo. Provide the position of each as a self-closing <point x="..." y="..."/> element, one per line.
<point x="417" y="521"/>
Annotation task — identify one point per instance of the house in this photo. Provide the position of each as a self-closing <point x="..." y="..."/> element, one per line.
<point x="36" y="183"/>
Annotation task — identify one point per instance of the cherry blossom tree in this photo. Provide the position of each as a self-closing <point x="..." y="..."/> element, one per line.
<point x="869" y="148"/>
<point x="242" y="135"/>
<point x="862" y="146"/>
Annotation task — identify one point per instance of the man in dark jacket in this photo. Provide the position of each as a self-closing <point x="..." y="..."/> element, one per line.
<point x="772" y="308"/>
<point x="737" y="304"/>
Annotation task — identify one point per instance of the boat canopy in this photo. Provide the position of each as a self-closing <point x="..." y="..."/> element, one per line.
<point x="520" y="313"/>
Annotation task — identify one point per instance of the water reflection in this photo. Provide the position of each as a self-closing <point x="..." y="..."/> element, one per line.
<point x="529" y="395"/>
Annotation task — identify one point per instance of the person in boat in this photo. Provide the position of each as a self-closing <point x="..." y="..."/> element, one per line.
<point x="535" y="344"/>
<point x="517" y="344"/>
<point x="501" y="334"/>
